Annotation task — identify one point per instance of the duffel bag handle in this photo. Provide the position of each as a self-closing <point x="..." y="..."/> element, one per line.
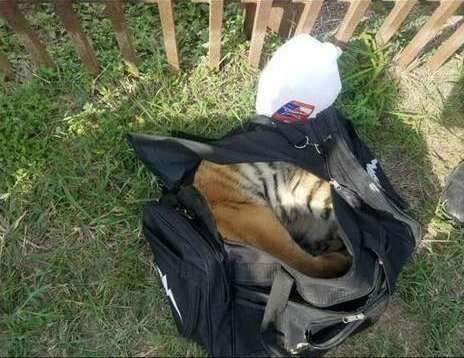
<point x="278" y="299"/>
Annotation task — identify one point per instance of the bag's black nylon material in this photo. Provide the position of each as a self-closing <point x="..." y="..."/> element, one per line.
<point x="231" y="294"/>
<point x="190" y="268"/>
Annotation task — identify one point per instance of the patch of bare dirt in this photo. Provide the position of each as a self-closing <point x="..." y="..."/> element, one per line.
<point x="399" y="323"/>
<point x="430" y="95"/>
<point x="437" y="98"/>
<point x="330" y="17"/>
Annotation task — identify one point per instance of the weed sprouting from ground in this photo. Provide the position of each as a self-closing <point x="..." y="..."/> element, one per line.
<point x="367" y="91"/>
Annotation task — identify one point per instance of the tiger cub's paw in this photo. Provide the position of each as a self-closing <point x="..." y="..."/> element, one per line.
<point x="334" y="264"/>
<point x="317" y="248"/>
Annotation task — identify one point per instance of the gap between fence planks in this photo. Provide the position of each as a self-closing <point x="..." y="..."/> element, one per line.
<point x="250" y="11"/>
<point x="284" y="16"/>
<point x="169" y="32"/>
<point x="428" y="31"/>
<point x="72" y="25"/>
<point x="395" y="18"/>
<point x="10" y="12"/>
<point x="353" y="16"/>
<point x="445" y="51"/>
<point x="262" y="13"/>
<point x="216" y="14"/>
<point x="308" y="16"/>
<point x="115" y="12"/>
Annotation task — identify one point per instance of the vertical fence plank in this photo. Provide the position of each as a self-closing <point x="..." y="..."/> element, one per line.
<point x="263" y="11"/>
<point x="428" y="31"/>
<point x="118" y="21"/>
<point x="72" y="25"/>
<point x="216" y="11"/>
<point x="169" y="32"/>
<point x="352" y="18"/>
<point x="10" y="12"/>
<point x="309" y="15"/>
<point x="5" y="66"/>
<point x="448" y="47"/>
<point x="393" y="21"/>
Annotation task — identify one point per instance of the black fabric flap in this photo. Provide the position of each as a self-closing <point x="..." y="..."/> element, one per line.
<point x="166" y="157"/>
<point x="173" y="159"/>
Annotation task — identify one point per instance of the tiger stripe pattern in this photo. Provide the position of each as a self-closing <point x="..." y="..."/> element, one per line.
<point x="277" y="207"/>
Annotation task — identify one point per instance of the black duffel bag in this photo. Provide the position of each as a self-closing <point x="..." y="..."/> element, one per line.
<point x="236" y="300"/>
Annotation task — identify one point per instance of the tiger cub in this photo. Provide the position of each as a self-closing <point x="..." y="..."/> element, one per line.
<point x="278" y="208"/>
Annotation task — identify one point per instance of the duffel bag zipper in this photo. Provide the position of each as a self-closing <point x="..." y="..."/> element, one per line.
<point x="353" y="318"/>
<point x="341" y="319"/>
<point x="300" y="347"/>
<point x="219" y="253"/>
<point x="377" y="191"/>
<point x="343" y="188"/>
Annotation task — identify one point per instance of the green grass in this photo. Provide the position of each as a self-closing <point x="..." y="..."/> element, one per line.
<point x="76" y="276"/>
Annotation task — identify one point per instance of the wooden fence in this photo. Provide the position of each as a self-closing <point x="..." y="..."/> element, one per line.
<point x="260" y="15"/>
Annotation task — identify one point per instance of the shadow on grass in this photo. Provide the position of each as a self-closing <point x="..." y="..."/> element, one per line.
<point x="453" y="111"/>
<point x="432" y="285"/>
<point x="74" y="272"/>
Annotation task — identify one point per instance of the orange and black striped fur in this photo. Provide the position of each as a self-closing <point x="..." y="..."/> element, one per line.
<point x="278" y="208"/>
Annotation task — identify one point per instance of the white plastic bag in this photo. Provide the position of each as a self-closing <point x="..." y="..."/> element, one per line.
<point x="300" y="80"/>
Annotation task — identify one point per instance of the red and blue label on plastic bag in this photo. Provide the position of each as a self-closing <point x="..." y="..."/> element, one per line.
<point x="293" y="111"/>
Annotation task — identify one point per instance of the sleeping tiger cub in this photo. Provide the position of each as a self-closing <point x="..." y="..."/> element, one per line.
<point x="278" y="208"/>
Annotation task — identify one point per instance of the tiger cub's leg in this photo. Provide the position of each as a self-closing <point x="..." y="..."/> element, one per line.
<point x="257" y="225"/>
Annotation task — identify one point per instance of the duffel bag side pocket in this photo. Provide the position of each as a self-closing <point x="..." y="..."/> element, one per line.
<point x="182" y="288"/>
<point x="181" y="283"/>
<point x="192" y="275"/>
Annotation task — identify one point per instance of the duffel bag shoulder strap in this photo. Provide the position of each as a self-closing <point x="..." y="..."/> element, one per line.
<point x="278" y="298"/>
<point x="275" y="309"/>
